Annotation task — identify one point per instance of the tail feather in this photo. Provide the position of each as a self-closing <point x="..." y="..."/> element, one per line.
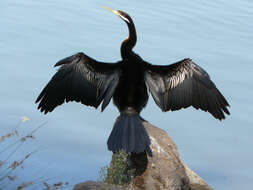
<point x="129" y="134"/>
<point x="117" y="133"/>
<point x="132" y="135"/>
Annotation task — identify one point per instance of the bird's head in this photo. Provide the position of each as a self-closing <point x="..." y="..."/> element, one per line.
<point x="124" y="16"/>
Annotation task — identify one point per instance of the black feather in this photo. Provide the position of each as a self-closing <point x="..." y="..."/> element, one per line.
<point x="129" y="134"/>
<point x="81" y="79"/>
<point x="185" y="84"/>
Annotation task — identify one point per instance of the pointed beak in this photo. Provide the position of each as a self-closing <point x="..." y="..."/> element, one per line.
<point x="113" y="11"/>
<point x="117" y="13"/>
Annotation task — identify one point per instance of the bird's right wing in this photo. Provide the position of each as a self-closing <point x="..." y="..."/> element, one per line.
<point x="81" y="79"/>
<point x="184" y="84"/>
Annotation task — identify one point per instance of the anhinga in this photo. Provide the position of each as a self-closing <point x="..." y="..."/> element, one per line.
<point x="173" y="87"/>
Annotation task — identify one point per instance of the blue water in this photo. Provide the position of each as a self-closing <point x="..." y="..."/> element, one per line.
<point x="218" y="35"/>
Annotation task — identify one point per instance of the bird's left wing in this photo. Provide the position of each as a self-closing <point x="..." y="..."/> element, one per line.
<point x="81" y="79"/>
<point x="184" y="84"/>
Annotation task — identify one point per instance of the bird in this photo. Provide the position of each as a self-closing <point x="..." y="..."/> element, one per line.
<point x="129" y="82"/>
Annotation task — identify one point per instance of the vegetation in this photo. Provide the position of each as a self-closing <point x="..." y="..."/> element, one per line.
<point x="118" y="172"/>
<point x="9" y="166"/>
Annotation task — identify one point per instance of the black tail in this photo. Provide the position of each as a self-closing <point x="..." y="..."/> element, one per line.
<point x="129" y="134"/>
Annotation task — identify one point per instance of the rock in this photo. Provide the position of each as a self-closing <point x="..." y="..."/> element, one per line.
<point x="91" y="185"/>
<point x="163" y="171"/>
<point x="196" y="182"/>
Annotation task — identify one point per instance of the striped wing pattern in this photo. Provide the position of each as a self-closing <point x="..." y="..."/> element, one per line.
<point x="185" y="84"/>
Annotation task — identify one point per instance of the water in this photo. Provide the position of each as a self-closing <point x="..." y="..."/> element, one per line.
<point x="72" y="145"/>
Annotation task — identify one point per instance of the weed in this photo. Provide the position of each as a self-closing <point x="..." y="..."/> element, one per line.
<point x="118" y="171"/>
<point x="9" y="166"/>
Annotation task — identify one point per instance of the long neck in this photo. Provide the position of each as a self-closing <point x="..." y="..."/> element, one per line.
<point x="128" y="44"/>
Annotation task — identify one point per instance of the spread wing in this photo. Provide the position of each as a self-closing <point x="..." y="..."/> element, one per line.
<point x="81" y="79"/>
<point x="185" y="84"/>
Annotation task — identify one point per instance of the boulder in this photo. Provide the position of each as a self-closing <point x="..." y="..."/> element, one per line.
<point x="91" y="185"/>
<point x="163" y="171"/>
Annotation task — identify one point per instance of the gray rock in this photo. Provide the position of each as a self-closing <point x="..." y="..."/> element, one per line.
<point x="163" y="171"/>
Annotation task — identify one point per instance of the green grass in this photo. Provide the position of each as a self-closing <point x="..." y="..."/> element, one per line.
<point x="118" y="172"/>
